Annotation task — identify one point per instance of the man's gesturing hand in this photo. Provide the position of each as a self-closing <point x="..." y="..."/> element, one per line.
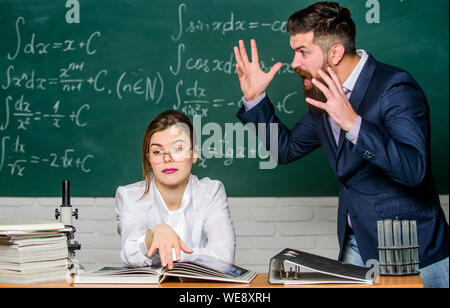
<point x="252" y="79"/>
<point x="337" y="105"/>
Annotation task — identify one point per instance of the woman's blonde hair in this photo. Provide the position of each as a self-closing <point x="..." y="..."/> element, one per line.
<point x="161" y="122"/>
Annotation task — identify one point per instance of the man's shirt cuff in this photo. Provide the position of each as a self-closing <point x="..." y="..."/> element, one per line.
<point x="248" y="105"/>
<point x="352" y="134"/>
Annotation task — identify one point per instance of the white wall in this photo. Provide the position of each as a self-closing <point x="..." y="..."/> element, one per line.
<point x="263" y="226"/>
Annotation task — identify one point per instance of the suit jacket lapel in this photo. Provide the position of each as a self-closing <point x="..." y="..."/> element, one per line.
<point x="358" y="93"/>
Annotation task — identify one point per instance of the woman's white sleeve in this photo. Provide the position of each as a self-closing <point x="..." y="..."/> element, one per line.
<point x="131" y="226"/>
<point x="218" y="228"/>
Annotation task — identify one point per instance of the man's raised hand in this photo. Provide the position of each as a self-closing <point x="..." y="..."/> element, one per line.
<point x="252" y="79"/>
<point x="337" y="105"/>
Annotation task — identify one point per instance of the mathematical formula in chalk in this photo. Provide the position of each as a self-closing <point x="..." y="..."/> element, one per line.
<point x="15" y="159"/>
<point x="231" y="23"/>
<point x="21" y="114"/>
<point x="70" y="92"/>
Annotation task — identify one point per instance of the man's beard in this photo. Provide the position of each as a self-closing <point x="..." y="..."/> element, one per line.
<point x="310" y="90"/>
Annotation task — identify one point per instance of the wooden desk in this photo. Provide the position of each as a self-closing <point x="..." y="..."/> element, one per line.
<point x="260" y="281"/>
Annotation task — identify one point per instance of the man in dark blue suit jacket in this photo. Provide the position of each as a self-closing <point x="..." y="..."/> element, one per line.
<point x="372" y="121"/>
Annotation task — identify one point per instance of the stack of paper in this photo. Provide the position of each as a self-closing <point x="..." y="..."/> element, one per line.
<point x="32" y="252"/>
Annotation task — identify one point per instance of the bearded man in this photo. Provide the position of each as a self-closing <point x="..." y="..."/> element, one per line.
<point x="372" y="121"/>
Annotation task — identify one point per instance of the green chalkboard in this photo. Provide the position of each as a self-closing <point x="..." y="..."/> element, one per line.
<point x="76" y="98"/>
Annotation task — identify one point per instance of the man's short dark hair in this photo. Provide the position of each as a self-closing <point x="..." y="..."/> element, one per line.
<point x="330" y="22"/>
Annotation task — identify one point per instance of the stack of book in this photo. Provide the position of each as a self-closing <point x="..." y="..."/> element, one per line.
<point x="32" y="252"/>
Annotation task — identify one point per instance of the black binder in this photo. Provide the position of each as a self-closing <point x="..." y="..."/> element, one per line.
<point x="292" y="266"/>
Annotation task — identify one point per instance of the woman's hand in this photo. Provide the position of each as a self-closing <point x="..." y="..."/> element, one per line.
<point x="164" y="238"/>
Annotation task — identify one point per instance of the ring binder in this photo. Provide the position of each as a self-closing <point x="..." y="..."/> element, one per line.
<point x="292" y="266"/>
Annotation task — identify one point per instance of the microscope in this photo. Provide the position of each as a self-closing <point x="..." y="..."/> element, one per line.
<point x="65" y="214"/>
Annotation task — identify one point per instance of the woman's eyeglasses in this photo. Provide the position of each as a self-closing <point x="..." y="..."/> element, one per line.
<point x="178" y="151"/>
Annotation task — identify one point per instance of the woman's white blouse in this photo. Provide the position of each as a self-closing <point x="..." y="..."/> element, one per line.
<point x="203" y="220"/>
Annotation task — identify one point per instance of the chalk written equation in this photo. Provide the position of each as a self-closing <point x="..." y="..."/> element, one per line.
<point x="68" y="158"/>
<point x="194" y="100"/>
<point x="34" y="46"/>
<point x="69" y="77"/>
<point x="70" y="80"/>
<point x="21" y="115"/>
<point x="224" y="26"/>
<point x="25" y="114"/>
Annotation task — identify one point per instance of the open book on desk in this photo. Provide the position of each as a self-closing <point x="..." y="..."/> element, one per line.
<point x="292" y="266"/>
<point x="195" y="267"/>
